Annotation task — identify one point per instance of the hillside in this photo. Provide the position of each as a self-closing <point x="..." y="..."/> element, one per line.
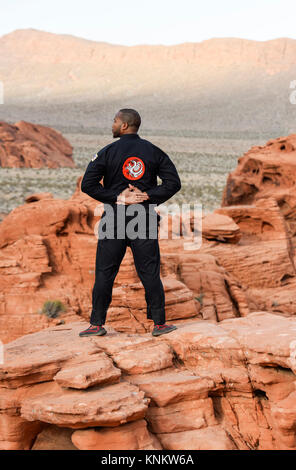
<point x="220" y="85"/>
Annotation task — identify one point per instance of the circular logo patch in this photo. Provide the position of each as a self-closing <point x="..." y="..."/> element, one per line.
<point x="133" y="168"/>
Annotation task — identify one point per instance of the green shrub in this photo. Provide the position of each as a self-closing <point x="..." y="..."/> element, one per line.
<point x="52" y="308"/>
<point x="200" y="297"/>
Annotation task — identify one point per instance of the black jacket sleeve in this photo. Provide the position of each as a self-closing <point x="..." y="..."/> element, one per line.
<point x="90" y="183"/>
<point x="171" y="183"/>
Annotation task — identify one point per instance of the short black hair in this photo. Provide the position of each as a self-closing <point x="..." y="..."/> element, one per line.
<point x="131" y="116"/>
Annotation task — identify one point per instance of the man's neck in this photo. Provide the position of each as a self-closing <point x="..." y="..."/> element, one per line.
<point x="127" y="133"/>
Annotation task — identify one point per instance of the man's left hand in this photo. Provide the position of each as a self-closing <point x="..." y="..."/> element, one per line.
<point x="132" y="195"/>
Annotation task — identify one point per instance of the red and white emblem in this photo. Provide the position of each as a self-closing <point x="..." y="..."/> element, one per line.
<point x="133" y="168"/>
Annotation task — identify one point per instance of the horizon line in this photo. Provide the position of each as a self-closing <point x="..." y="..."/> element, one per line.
<point x="145" y="44"/>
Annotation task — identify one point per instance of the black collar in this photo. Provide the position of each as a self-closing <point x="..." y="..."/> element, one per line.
<point x="130" y="135"/>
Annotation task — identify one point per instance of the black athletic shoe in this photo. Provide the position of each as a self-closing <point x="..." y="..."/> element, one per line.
<point x="93" y="330"/>
<point x="162" y="329"/>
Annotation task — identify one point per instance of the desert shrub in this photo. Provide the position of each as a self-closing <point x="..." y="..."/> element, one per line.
<point x="52" y="308"/>
<point x="200" y="298"/>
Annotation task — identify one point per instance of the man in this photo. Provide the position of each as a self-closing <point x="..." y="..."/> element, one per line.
<point x="130" y="167"/>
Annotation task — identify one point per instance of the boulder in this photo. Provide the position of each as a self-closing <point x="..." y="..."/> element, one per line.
<point x="29" y="145"/>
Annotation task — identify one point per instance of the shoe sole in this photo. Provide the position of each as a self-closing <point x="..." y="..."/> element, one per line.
<point x="163" y="332"/>
<point x="93" y="334"/>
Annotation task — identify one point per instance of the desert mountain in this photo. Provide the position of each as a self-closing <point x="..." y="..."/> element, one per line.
<point x="220" y="84"/>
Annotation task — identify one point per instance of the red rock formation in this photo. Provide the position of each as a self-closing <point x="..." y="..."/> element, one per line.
<point x="225" y="379"/>
<point x="260" y="197"/>
<point x="33" y="146"/>
<point x="263" y="257"/>
<point x="246" y="262"/>
<point x="47" y="248"/>
<point x="266" y="171"/>
<point x="218" y="226"/>
<point x="131" y="436"/>
<point x="226" y="385"/>
<point x="54" y="437"/>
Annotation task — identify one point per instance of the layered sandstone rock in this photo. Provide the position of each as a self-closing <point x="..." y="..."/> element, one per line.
<point x="225" y="379"/>
<point x="54" y="437"/>
<point x="219" y="294"/>
<point x="220" y="227"/>
<point x="263" y="228"/>
<point x="128" y="310"/>
<point x="131" y="436"/>
<point x="225" y="385"/>
<point x="245" y="262"/>
<point x="260" y="198"/>
<point x="266" y="171"/>
<point x="48" y="248"/>
<point x="252" y="363"/>
<point x="29" y="145"/>
<point x="111" y="405"/>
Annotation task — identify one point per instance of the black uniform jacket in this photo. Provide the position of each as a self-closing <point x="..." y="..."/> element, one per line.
<point x="131" y="159"/>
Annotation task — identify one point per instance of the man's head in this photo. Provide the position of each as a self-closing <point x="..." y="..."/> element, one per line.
<point x="126" y="121"/>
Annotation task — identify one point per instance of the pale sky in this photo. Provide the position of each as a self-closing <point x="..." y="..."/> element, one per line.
<point x="167" y="22"/>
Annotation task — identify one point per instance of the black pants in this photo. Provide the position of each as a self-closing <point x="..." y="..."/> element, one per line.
<point x="146" y="253"/>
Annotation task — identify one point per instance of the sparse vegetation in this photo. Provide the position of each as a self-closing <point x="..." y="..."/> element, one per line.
<point x="202" y="162"/>
<point x="200" y="297"/>
<point x="52" y="308"/>
<point x="203" y="172"/>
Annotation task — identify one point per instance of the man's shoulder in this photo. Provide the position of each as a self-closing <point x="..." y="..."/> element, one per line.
<point x="156" y="149"/>
<point x="152" y="145"/>
<point x="102" y="151"/>
<point x="146" y="141"/>
<point x="116" y="143"/>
